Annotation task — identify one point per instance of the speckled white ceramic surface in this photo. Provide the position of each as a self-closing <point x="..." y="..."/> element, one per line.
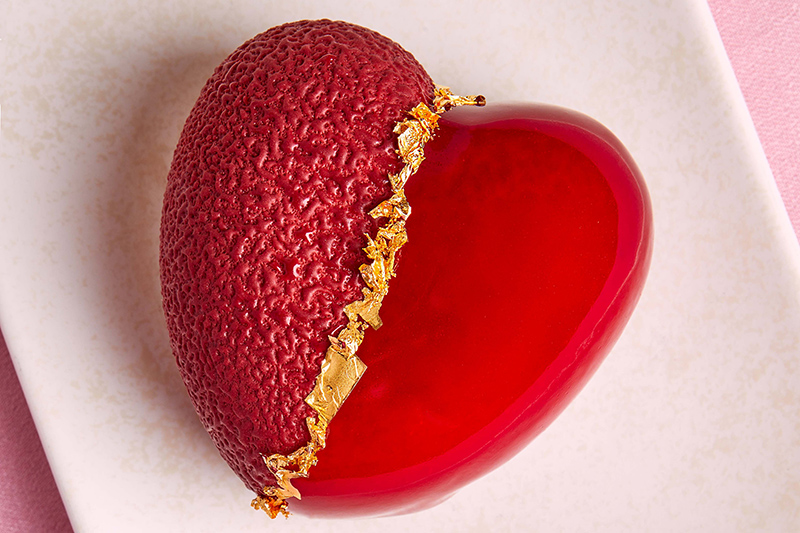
<point x="693" y="422"/>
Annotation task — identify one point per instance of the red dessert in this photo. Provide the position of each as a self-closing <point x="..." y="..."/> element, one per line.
<point x="529" y="241"/>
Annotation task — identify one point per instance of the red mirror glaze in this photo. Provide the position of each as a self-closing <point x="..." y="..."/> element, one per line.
<point x="529" y="242"/>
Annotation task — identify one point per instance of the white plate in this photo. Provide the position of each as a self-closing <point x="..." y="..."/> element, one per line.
<point x="691" y="424"/>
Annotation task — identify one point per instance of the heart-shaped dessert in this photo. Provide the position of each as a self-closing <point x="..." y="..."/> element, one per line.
<point x="285" y="211"/>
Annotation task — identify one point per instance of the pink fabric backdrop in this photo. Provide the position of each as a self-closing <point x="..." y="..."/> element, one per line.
<point x="29" y="500"/>
<point x="762" y="38"/>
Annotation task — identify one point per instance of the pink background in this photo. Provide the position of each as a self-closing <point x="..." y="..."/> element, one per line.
<point x="762" y="38"/>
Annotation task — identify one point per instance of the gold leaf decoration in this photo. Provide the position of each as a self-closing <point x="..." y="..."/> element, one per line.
<point x="342" y="368"/>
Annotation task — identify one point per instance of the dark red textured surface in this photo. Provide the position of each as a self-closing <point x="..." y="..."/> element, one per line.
<point x="287" y="149"/>
<point x="529" y="242"/>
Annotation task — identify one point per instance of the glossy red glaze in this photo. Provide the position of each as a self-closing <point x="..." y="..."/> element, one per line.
<point x="529" y="242"/>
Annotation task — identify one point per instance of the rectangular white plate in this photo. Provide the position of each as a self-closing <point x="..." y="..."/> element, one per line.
<point x="692" y="424"/>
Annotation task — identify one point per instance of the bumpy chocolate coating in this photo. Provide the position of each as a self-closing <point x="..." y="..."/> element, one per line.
<point x="286" y="150"/>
